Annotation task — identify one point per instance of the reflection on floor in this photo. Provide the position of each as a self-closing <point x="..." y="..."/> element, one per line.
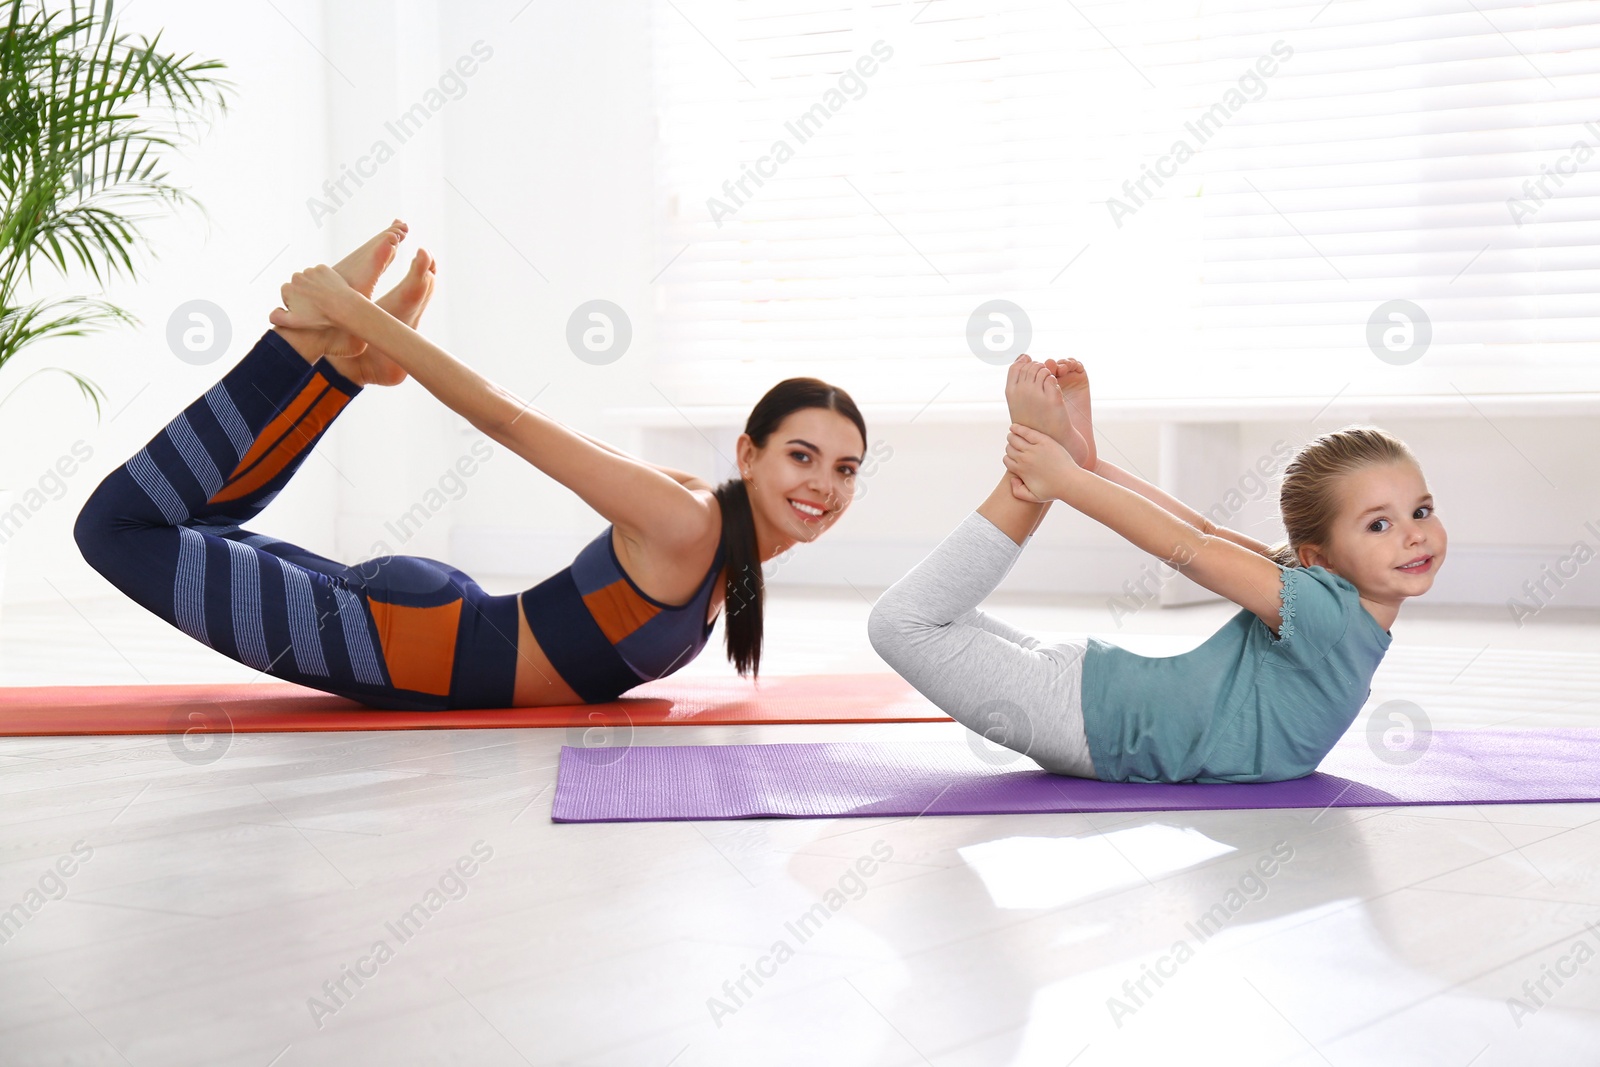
<point x="403" y="898"/>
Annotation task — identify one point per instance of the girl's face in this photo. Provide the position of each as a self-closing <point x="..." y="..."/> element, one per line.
<point x="1386" y="520"/>
<point x="801" y="482"/>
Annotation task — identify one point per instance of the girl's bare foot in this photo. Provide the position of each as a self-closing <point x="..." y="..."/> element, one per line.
<point x="405" y="302"/>
<point x="1074" y="383"/>
<point x="1035" y="400"/>
<point x="361" y="270"/>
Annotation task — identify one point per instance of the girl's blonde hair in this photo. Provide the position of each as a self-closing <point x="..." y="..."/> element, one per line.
<point x="1308" y="501"/>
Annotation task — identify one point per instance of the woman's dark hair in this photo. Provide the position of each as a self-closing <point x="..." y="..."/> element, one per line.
<point x="745" y="590"/>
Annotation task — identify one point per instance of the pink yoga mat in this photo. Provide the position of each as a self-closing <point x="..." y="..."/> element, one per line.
<point x="668" y="782"/>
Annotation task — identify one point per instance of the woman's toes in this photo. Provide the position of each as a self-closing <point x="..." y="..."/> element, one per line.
<point x="410" y="296"/>
<point x="419" y="278"/>
<point x="362" y="268"/>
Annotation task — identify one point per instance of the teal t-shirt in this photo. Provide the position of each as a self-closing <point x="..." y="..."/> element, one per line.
<point x="1245" y="706"/>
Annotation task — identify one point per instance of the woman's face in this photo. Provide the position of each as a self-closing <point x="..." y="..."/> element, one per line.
<point x="801" y="482"/>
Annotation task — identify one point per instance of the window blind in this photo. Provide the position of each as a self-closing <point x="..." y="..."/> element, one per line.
<point x="1196" y="199"/>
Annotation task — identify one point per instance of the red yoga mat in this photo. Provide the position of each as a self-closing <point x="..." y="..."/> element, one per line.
<point x="280" y="707"/>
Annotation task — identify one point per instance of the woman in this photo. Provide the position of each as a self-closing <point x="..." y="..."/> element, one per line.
<point x="407" y="632"/>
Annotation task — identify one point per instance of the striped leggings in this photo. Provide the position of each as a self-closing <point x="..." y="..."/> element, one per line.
<point x="166" y="528"/>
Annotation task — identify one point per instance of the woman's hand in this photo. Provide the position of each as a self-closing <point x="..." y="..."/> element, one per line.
<point x="1039" y="466"/>
<point x="313" y="299"/>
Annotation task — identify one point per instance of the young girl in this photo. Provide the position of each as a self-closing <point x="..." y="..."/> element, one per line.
<point x="1262" y="699"/>
<point x="407" y="632"/>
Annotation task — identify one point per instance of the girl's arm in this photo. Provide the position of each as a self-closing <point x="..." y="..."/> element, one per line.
<point x="1111" y="472"/>
<point x="1230" y="570"/>
<point x="1045" y="471"/>
<point x="635" y="497"/>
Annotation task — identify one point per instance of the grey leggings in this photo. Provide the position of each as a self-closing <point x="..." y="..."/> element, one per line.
<point x="987" y="675"/>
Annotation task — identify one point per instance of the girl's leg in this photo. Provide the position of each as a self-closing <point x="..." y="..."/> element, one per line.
<point x="985" y="674"/>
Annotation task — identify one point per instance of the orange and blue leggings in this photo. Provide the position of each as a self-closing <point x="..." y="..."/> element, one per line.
<point x="166" y="528"/>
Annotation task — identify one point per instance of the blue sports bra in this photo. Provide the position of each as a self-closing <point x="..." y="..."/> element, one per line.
<point x="603" y="634"/>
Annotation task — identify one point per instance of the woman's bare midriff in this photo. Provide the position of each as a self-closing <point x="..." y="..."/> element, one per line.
<point x="538" y="684"/>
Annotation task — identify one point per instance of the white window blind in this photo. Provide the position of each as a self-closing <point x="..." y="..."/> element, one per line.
<point x="1315" y="161"/>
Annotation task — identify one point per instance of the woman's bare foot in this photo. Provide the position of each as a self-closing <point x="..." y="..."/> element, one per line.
<point x="1074" y="383"/>
<point x="1035" y="400"/>
<point x="405" y="302"/>
<point x="361" y="270"/>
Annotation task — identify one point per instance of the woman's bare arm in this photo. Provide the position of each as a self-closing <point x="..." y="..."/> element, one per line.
<point x="636" y="497"/>
<point x="683" y="478"/>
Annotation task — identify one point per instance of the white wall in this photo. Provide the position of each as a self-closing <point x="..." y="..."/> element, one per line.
<point x="535" y="190"/>
<point x="558" y="157"/>
<point x="247" y="172"/>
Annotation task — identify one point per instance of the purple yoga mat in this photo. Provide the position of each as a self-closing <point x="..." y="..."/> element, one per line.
<point x="666" y="782"/>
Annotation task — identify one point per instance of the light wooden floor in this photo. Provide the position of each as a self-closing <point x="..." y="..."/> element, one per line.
<point x="217" y="898"/>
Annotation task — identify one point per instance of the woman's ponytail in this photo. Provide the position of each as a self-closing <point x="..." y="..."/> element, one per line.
<point x="741" y="612"/>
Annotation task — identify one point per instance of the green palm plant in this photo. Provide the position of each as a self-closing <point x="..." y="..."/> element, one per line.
<point x="85" y="113"/>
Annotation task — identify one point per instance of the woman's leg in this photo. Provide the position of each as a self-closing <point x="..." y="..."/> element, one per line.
<point x="167" y="528"/>
<point x="987" y="675"/>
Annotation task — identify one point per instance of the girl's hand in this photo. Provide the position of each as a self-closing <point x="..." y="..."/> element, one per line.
<point x="1040" y="467"/>
<point x="1019" y="489"/>
<point x="312" y="298"/>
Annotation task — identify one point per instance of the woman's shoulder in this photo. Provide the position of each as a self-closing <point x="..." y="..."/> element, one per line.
<point x="699" y="536"/>
<point x="710" y="511"/>
<point x="669" y="568"/>
<point x="693" y="526"/>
